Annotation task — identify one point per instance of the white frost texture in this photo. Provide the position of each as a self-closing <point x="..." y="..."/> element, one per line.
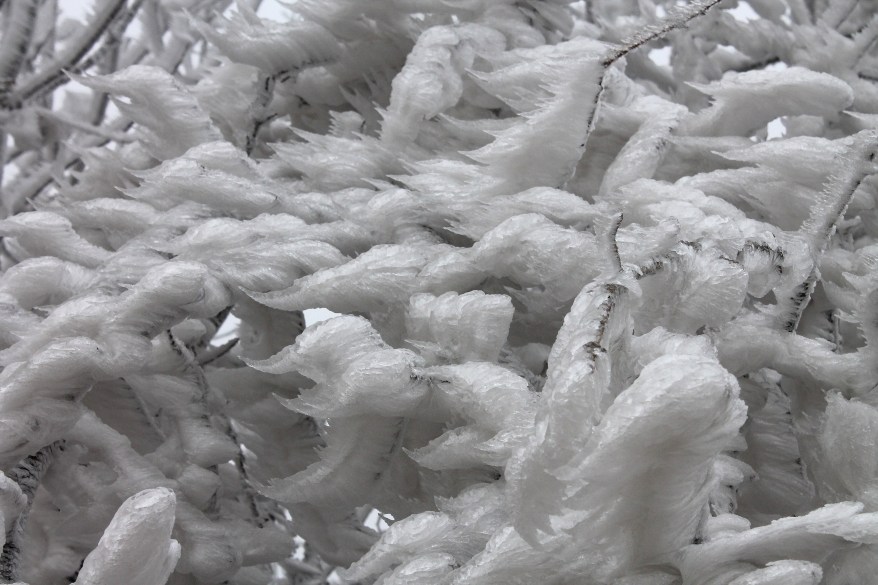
<point x="602" y="279"/>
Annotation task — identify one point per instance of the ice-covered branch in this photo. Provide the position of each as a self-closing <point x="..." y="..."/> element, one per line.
<point x="18" y="27"/>
<point x="829" y="209"/>
<point x="56" y="72"/>
<point x="27" y="475"/>
<point x="679" y="17"/>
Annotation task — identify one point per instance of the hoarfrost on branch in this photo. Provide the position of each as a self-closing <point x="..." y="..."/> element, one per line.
<point x="602" y="279"/>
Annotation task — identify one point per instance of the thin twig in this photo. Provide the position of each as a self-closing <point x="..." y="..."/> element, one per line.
<point x="16" y="39"/>
<point x="752" y="66"/>
<point x="611" y="243"/>
<point x="837" y="12"/>
<point x="258" y="517"/>
<point x="150" y="418"/>
<point x="821" y="224"/>
<point x="677" y="19"/>
<point x="13" y="49"/>
<point x="215" y="353"/>
<point x="192" y="364"/>
<point x="294" y="565"/>
<point x="54" y="75"/>
<point x="39" y="180"/>
<point x="27" y="475"/>
<point x="3" y="163"/>
<point x="84" y="126"/>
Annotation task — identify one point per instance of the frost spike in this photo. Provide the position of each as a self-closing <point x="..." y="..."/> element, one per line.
<point x="136" y="548"/>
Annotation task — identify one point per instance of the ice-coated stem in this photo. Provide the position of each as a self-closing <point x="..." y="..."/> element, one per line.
<point x="54" y="74"/>
<point x="15" y="41"/>
<point x="675" y="20"/>
<point x="27" y="475"/>
<point x="829" y="210"/>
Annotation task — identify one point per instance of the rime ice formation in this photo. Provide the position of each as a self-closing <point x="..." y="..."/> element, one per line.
<point x="595" y="327"/>
<point x="136" y="547"/>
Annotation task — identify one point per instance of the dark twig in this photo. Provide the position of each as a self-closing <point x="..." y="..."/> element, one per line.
<point x="820" y="226"/>
<point x="27" y="475"/>
<point x="675" y="20"/>
<point x="215" y="353"/>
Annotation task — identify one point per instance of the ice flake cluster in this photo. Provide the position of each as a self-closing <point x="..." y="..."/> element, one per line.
<point x="594" y="327"/>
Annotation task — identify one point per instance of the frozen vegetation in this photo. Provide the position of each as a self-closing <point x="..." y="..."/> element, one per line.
<point x="605" y="276"/>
